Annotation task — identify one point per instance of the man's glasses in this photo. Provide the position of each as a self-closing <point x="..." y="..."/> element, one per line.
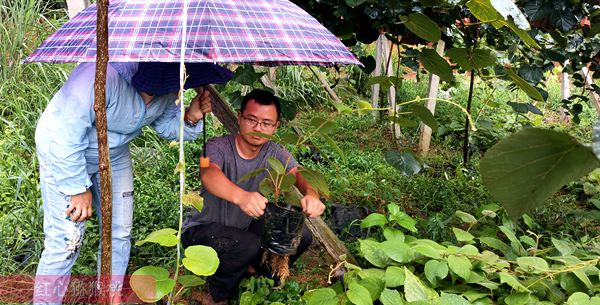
<point x="263" y="125"/>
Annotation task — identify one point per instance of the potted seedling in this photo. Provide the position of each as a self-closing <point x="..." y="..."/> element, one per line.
<point x="283" y="218"/>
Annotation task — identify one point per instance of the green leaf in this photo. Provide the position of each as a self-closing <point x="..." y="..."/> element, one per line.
<point x="425" y="115"/>
<point x="415" y="290"/>
<point x="397" y="251"/>
<point x="358" y="294"/>
<point x="580" y="298"/>
<point x="462" y="235"/>
<point x="374" y="219"/>
<point x="374" y="285"/>
<point x="276" y="165"/>
<point x="393" y="234"/>
<point x="390" y="297"/>
<point x="435" y="64"/>
<point x="265" y="187"/>
<point x="479" y="59"/>
<point x="290" y="138"/>
<point x="364" y="106"/>
<point x="322" y="296"/>
<point x="292" y="198"/>
<point x="580" y="274"/>
<point x="423" y="27"/>
<point x="526" y="168"/>
<point x="564" y="247"/>
<point x="404" y="221"/>
<point x="193" y="199"/>
<point x="512" y="281"/>
<point x="428" y="248"/>
<point x="246" y="75"/>
<point x="289" y="180"/>
<point x="402" y="122"/>
<point x="322" y="125"/>
<point x="485" y="12"/>
<point x="528" y="40"/>
<point x="524" y="85"/>
<point x="495" y="243"/>
<point x="201" y="260"/>
<point x="460" y="265"/>
<point x="394" y="276"/>
<point x="466" y="217"/>
<point x="164" y="237"/>
<point x="453" y="299"/>
<point x="520" y="298"/>
<point x="533" y="264"/>
<point x="252" y="174"/>
<point x="151" y="283"/>
<point x="190" y="280"/>
<point x="404" y="161"/>
<point x="371" y="252"/>
<point x="385" y="82"/>
<point x="341" y="108"/>
<point x="316" y="180"/>
<point x="371" y="272"/>
<point x="435" y="270"/>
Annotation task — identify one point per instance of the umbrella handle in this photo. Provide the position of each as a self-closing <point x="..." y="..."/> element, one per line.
<point x="204" y="161"/>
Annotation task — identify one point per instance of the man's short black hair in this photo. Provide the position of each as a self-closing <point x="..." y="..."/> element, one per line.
<point x="262" y="97"/>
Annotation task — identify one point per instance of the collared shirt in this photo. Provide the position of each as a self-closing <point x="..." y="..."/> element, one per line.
<point x="66" y="131"/>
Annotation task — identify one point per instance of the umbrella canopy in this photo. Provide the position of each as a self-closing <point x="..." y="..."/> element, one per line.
<point x="266" y="32"/>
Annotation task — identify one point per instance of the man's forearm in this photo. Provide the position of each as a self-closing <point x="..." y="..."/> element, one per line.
<point x="219" y="185"/>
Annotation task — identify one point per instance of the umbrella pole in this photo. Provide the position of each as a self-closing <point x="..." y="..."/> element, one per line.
<point x="204" y="161"/>
<point x="104" y="160"/>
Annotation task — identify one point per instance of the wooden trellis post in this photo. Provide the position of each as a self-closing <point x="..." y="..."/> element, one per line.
<point x="76" y="6"/>
<point x="432" y="94"/>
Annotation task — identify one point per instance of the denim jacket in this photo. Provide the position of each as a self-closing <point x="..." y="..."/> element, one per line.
<point x="66" y="131"/>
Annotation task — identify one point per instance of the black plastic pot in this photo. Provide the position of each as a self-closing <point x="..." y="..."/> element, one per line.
<point x="282" y="230"/>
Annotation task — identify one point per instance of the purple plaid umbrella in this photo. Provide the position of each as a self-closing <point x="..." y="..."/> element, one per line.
<point x="266" y="32"/>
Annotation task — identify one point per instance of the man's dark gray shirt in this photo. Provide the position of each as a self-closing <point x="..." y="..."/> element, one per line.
<point x="222" y="152"/>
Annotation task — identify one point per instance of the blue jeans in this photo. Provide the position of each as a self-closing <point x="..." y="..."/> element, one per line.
<point x="63" y="237"/>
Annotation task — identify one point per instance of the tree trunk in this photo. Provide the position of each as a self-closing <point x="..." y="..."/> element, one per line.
<point x="104" y="159"/>
<point x="323" y="80"/>
<point x="76" y="6"/>
<point x="432" y="94"/>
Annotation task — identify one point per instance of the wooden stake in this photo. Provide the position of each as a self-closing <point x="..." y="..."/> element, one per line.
<point x="432" y="94"/>
<point x="104" y="159"/>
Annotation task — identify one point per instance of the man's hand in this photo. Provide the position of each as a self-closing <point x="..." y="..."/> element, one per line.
<point x="312" y="206"/>
<point x="80" y="208"/>
<point x="252" y="203"/>
<point x="199" y="106"/>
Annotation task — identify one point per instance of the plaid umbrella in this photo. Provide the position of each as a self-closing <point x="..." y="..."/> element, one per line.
<point x="266" y="32"/>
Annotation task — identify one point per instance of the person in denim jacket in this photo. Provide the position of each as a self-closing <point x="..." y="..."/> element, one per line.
<point x="137" y="95"/>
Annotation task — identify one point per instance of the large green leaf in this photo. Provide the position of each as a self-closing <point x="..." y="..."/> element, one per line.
<point x="453" y="299"/>
<point x="415" y="290"/>
<point x="526" y="168"/>
<point x="528" y="40"/>
<point x="435" y="270"/>
<point x="479" y="59"/>
<point x="524" y="85"/>
<point x="151" y="283"/>
<point x="434" y="63"/>
<point x="190" y="280"/>
<point x="512" y="281"/>
<point x="374" y="219"/>
<point x="374" y="285"/>
<point x="164" y="237"/>
<point x="316" y="180"/>
<point x="460" y="265"/>
<point x="580" y="298"/>
<point x="533" y="264"/>
<point x="246" y="75"/>
<point x="390" y="297"/>
<point x="201" y="260"/>
<point x="276" y="165"/>
<point x="397" y="251"/>
<point x="354" y="3"/>
<point x="359" y="295"/>
<point x="394" y="276"/>
<point x="423" y="27"/>
<point x="404" y="161"/>
<point x="462" y="235"/>
<point x="322" y="296"/>
<point x="425" y="115"/>
<point x="485" y="12"/>
<point x="509" y="11"/>
<point x="371" y="251"/>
